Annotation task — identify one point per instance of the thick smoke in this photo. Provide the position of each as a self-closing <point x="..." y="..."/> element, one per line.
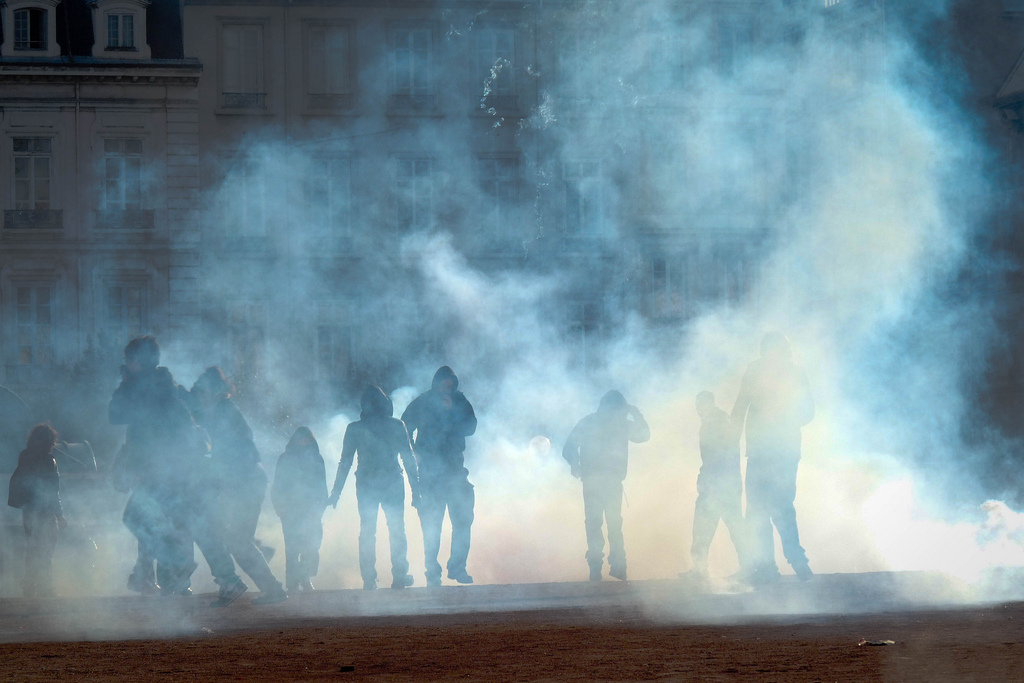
<point x="821" y="185"/>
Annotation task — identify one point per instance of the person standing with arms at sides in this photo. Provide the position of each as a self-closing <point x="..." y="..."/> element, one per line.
<point x="35" y="488"/>
<point x="379" y="440"/>
<point x="597" y="451"/>
<point x="719" y="484"/>
<point x="442" y="418"/>
<point x="774" y="403"/>
<point x="300" y="495"/>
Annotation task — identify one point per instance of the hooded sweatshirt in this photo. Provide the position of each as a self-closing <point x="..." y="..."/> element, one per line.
<point x="441" y="431"/>
<point x="599" y="443"/>
<point x="300" y="480"/>
<point x="379" y="439"/>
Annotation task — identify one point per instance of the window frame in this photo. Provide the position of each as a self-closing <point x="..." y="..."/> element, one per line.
<point x="33" y="286"/>
<point x="119" y="15"/>
<point x="243" y="100"/>
<point x="329" y="100"/>
<point x="585" y="228"/>
<point x="327" y="224"/>
<point x="43" y="28"/>
<point x="484" y="69"/>
<point x="415" y="209"/>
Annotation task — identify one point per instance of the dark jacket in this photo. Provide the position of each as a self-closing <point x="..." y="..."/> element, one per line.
<point x="380" y="440"/>
<point x="35" y="484"/>
<point x="775" y="400"/>
<point x="598" y="446"/>
<point x="300" y="480"/>
<point x="440" y="431"/>
<point x="162" y="441"/>
<point x="234" y="458"/>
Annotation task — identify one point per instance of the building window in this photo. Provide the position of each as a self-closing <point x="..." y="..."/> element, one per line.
<point x="735" y="43"/>
<point x="415" y="189"/>
<point x="122" y="160"/>
<point x="582" y="181"/>
<point x="120" y="32"/>
<point x="32" y="174"/>
<point x="35" y="325"/>
<point x="666" y="61"/>
<point x="245" y="197"/>
<point x="671" y="279"/>
<point x="732" y="276"/>
<point x="333" y="344"/>
<point x="583" y="332"/>
<point x="30" y="29"/>
<point x="410" y="67"/>
<point x="494" y="60"/>
<point x="328" y="194"/>
<point x="499" y="181"/>
<point x="126" y="311"/>
<point x="330" y="68"/>
<point x="242" y="67"/>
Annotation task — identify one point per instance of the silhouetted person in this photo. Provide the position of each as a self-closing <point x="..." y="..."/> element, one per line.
<point x="238" y="479"/>
<point x="141" y="517"/>
<point x="597" y="451"/>
<point x="35" y="488"/>
<point x="166" y="463"/>
<point x="299" y="495"/>
<point x="442" y="418"/>
<point x="775" y="402"/>
<point x="379" y="439"/>
<point x="719" y="483"/>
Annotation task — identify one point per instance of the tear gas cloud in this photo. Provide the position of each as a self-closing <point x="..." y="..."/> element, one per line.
<point x="847" y="195"/>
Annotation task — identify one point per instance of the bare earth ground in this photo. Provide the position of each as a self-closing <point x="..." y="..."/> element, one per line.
<point x="664" y="630"/>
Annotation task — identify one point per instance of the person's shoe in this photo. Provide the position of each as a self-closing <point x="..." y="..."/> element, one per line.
<point x="460" y="577"/>
<point x="305" y="586"/>
<point x="764" y="576"/>
<point x="229" y="593"/>
<point x="179" y="581"/>
<point x="270" y="597"/>
<point x="138" y="584"/>
<point x="370" y="585"/>
<point x="293" y="587"/>
<point x="402" y="581"/>
<point x="617" y="573"/>
<point x="184" y="592"/>
<point x="433" y="582"/>
<point x="803" y="572"/>
<point x="595" y="574"/>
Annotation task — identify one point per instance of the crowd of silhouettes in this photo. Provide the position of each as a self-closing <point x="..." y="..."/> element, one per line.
<point x="195" y="479"/>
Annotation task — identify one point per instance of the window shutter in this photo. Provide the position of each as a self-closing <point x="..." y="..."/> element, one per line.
<point x="232" y="59"/>
<point x="251" y="60"/>
<point x="318" y="61"/>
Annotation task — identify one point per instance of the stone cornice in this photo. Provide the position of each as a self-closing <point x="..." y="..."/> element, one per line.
<point x="83" y="70"/>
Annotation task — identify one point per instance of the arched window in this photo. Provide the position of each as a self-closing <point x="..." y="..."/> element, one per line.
<point x="30" y="29"/>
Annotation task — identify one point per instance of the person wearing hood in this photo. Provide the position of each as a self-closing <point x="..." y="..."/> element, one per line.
<point x="237" y="478"/>
<point x="35" y="488"/>
<point x="300" y="495"/>
<point x="165" y="465"/>
<point x="441" y="419"/>
<point x="379" y="440"/>
<point x="773" y="404"/>
<point x="597" y="451"/>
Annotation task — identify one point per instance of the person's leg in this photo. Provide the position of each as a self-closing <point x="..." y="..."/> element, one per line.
<point x="241" y="540"/>
<point x="730" y="509"/>
<point x="291" y="527"/>
<point x="431" y="512"/>
<point x="593" y="518"/>
<point x="462" y="499"/>
<point x="393" y="504"/>
<point x="368" y="499"/>
<point x="47" y="533"/>
<point x="783" y="514"/>
<point x="314" y="537"/>
<point x="705" y="522"/>
<point x="613" y="517"/>
<point x="29" y="583"/>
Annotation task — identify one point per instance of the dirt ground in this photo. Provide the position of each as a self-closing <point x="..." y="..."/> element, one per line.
<point x="610" y="632"/>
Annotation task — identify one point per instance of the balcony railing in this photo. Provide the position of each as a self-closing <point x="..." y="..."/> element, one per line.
<point x="244" y="100"/>
<point x="133" y="219"/>
<point x="320" y="101"/>
<point x="52" y="219"/>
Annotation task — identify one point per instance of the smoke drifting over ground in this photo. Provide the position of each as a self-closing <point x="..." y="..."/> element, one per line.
<point x="825" y="166"/>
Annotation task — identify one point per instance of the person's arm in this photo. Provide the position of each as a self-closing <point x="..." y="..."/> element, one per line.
<point x="739" y="409"/>
<point x="639" y="430"/>
<point x="467" y="417"/>
<point x="321" y="471"/>
<point x="411" y="416"/>
<point x="120" y="410"/>
<point x="408" y="460"/>
<point x="58" y="510"/>
<point x="571" y="451"/>
<point x="348" y="456"/>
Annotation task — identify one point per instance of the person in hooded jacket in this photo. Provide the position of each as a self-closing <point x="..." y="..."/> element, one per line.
<point x="597" y="451"/>
<point x="774" y="403"/>
<point x="442" y="418"/>
<point x="35" y="488"/>
<point x="237" y="478"/>
<point x="300" y="495"/>
<point x="379" y="440"/>
<point x="166" y="466"/>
